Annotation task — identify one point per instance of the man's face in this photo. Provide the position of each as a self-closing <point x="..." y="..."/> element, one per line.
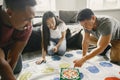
<point x="88" y="24"/>
<point x="20" y="20"/>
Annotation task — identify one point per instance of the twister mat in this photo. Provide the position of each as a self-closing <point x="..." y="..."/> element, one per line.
<point x="94" y="69"/>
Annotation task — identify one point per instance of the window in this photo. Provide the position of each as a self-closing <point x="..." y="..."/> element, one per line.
<point x="45" y="5"/>
<point x="1" y="2"/>
<point x="103" y="4"/>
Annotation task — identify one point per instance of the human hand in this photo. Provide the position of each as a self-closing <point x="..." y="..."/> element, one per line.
<point x="79" y="62"/>
<point x="41" y="60"/>
<point x="55" y="49"/>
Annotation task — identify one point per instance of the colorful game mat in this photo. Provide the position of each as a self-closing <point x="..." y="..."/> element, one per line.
<point x="95" y="69"/>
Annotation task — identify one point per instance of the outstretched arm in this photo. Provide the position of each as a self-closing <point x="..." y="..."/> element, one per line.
<point x="6" y="71"/>
<point x="15" y="52"/>
<point x="42" y="59"/>
<point x="101" y="45"/>
<point x="85" y="43"/>
<point x="61" y="39"/>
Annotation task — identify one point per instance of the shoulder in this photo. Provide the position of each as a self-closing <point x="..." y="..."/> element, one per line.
<point x="103" y="19"/>
<point x="105" y="25"/>
<point x="62" y="24"/>
<point x="62" y="27"/>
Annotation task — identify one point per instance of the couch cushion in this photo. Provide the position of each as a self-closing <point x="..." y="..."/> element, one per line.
<point x="34" y="42"/>
<point x="68" y="16"/>
<point x="74" y="28"/>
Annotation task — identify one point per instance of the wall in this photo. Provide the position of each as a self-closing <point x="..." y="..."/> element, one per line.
<point x="70" y="4"/>
<point x="66" y="5"/>
<point x="1" y="1"/>
<point x="81" y="4"/>
<point x="113" y="13"/>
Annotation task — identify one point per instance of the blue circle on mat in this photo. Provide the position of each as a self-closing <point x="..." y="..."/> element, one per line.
<point x="105" y="64"/>
<point x="81" y="75"/>
<point x="69" y="55"/>
<point x="56" y="58"/>
<point x="56" y="78"/>
<point x="79" y="52"/>
<point x="92" y="69"/>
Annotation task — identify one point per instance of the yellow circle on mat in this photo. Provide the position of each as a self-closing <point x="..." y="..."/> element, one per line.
<point x="48" y="70"/>
<point x="64" y="65"/>
<point x="25" y="76"/>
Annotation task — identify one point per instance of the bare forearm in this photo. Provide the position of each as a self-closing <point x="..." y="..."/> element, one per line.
<point x="59" y="42"/>
<point x="84" y="47"/>
<point x="93" y="53"/>
<point x="13" y="62"/>
<point x="6" y="72"/>
<point x="15" y="53"/>
<point x="14" y="58"/>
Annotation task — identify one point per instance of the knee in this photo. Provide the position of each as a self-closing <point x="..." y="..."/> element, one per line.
<point x="50" y="52"/>
<point x="61" y="52"/>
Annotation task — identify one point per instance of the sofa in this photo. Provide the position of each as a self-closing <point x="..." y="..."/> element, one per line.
<point x="73" y="36"/>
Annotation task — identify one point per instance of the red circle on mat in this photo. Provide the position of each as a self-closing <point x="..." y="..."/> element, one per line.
<point x="112" y="78"/>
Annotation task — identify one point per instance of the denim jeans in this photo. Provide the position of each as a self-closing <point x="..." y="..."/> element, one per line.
<point x="61" y="49"/>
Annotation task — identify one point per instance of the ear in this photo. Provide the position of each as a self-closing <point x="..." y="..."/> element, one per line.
<point x="93" y="17"/>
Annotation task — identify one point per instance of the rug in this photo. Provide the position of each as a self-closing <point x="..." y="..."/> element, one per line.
<point x="95" y="69"/>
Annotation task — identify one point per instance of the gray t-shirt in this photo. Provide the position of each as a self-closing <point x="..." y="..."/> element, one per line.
<point x="106" y="25"/>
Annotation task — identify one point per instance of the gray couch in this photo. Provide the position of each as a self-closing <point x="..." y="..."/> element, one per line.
<point x="74" y="37"/>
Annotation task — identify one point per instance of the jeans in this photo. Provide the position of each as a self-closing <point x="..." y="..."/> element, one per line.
<point x="61" y="49"/>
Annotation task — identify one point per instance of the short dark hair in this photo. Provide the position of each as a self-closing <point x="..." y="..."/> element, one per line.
<point x="85" y="14"/>
<point x="18" y="4"/>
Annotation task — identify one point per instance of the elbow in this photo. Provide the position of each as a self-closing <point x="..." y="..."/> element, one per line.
<point x="100" y="49"/>
<point x="2" y="62"/>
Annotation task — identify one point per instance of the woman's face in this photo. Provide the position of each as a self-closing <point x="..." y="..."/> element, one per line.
<point x="51" y="23"/>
